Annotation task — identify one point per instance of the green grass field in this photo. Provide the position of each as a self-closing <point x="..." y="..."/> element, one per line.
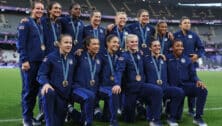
<point x="10" y="108"/>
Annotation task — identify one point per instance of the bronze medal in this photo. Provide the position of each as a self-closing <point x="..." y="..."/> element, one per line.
<point x="138" y="77"/>
<point x="75" y="42"/>
<point x="43" y="47"/>
<point x="65" y="83"/>
<point x="144" y="45"/>
<point x="112" y="78"/>
<point x="92" y="82"/>
<point x="159" y="82"/>
<point x="55" y="43"/>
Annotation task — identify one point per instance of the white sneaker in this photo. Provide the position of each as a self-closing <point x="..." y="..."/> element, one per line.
<point x="26" y="123"/>
<point x="97" y="110"/>
<point x="199" y="122"/>
<point x="119" y="112"/>
<point x="172" y="123"/>
<point x="154" y="123"/>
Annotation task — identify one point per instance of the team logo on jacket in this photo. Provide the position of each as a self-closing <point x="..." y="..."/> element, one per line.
<point x="21" y="27"/>
<point x="101" y="31"/>
<point x="70" y="61"/>
<point x="97" y="61"/>
<point x="45" y="59"/>
<point x="161" y="61"/>
<point x="138" y="57"/>
<point x="148" y="29"/>
<point x="165" y="39"/>
<point x="183" y="60"/>
<point x="121" y="59"/>
<point x="116" y="57"/>
<point x="78" y="24"/>
<point x="125" y="33"/>
<point x="190" y="36"/>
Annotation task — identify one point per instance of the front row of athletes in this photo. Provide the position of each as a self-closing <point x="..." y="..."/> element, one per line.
<point x="91" y="76"/>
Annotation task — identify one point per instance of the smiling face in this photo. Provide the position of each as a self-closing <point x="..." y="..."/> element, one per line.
<point x="93" y="46"/>
<point x="55" y="10"/>
<point x="132" y="43"/>
<point x="178" y="48"/>
<point x="121" y="19"/>
<point x="76" y="10"/>
<point x="162" y="28"/>
<point x="95" y="18"/>
<point x="37" y="10"/>
<point x="143" y="17"/>
<point x="155" y="47"/>
<point x="185" y="25"/>
<point x="65" y="44"/>
<point x="113" y="44"/>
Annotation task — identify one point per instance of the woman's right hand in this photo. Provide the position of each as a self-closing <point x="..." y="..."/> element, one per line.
<point x="46" y="88"/>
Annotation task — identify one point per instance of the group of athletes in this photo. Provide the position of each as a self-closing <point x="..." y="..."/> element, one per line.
<point x="129" y="66"/>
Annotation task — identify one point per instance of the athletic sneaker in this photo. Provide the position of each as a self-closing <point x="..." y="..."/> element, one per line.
<point x="191" y="113"/>
<point x="36" y="122"/>
<point x="40" y="117"/>
<point x="119" y="111"/>
<point x="199" y="122"/>
<point x="87" y="124"/>
<point x="155" y="123"/>
<point x="98" y="113"/>
<point x="32" y="122"/>
<point x="172" y="122"/>
<point x="113" y="123"/>
<point x="26" y="123"/>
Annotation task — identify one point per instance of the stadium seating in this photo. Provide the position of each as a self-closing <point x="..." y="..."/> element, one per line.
<point x="8" y="58"/>
<point x="16" y="3"/>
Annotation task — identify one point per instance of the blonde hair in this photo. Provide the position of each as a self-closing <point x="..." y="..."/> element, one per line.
<point x="120" y="13"/>
<point x="128" y="38"/>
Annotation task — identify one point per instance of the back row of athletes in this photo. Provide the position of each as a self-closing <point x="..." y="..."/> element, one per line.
<point x="86" y="63"/>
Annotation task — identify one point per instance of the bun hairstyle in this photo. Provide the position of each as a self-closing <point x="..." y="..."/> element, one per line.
<point x="158" y="25"/>
<point x="35" y="2"/>
<point x="87" y="41"/>
<point x="49" y="7"/>
<point x="175" y="41"/>
<point x="93" y="12"/>
<point x="121" y="13"/>
<point x="56" y="43"/>
<point x="72" y="5"/>
<point x="183" y="18"/>
<point x="152" y="39"/>
<point x="140" y="11"/>
<point x="109" y="38"/>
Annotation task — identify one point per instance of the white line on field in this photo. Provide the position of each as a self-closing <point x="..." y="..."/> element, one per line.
<point x="207" y="109"/>
<point x="10" y="120"/>
<point x="20" y="119"/>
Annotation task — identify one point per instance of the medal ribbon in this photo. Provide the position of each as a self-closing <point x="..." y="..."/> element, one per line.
<point x="135" y="65"/>
<point x="121" y="37"/>
<point x="40" y="33"/>
<point x="54" y="31"/>
<point x="95" y="33"/>
<point x="92" y="69"/>
<point x="143" y="35"/>
<point x="65" y="69"/>
<point x="75" y="29"/>
<point x="110" y="64"/>
<point x="162" y="44"/>
<point x="158" y="71"/>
